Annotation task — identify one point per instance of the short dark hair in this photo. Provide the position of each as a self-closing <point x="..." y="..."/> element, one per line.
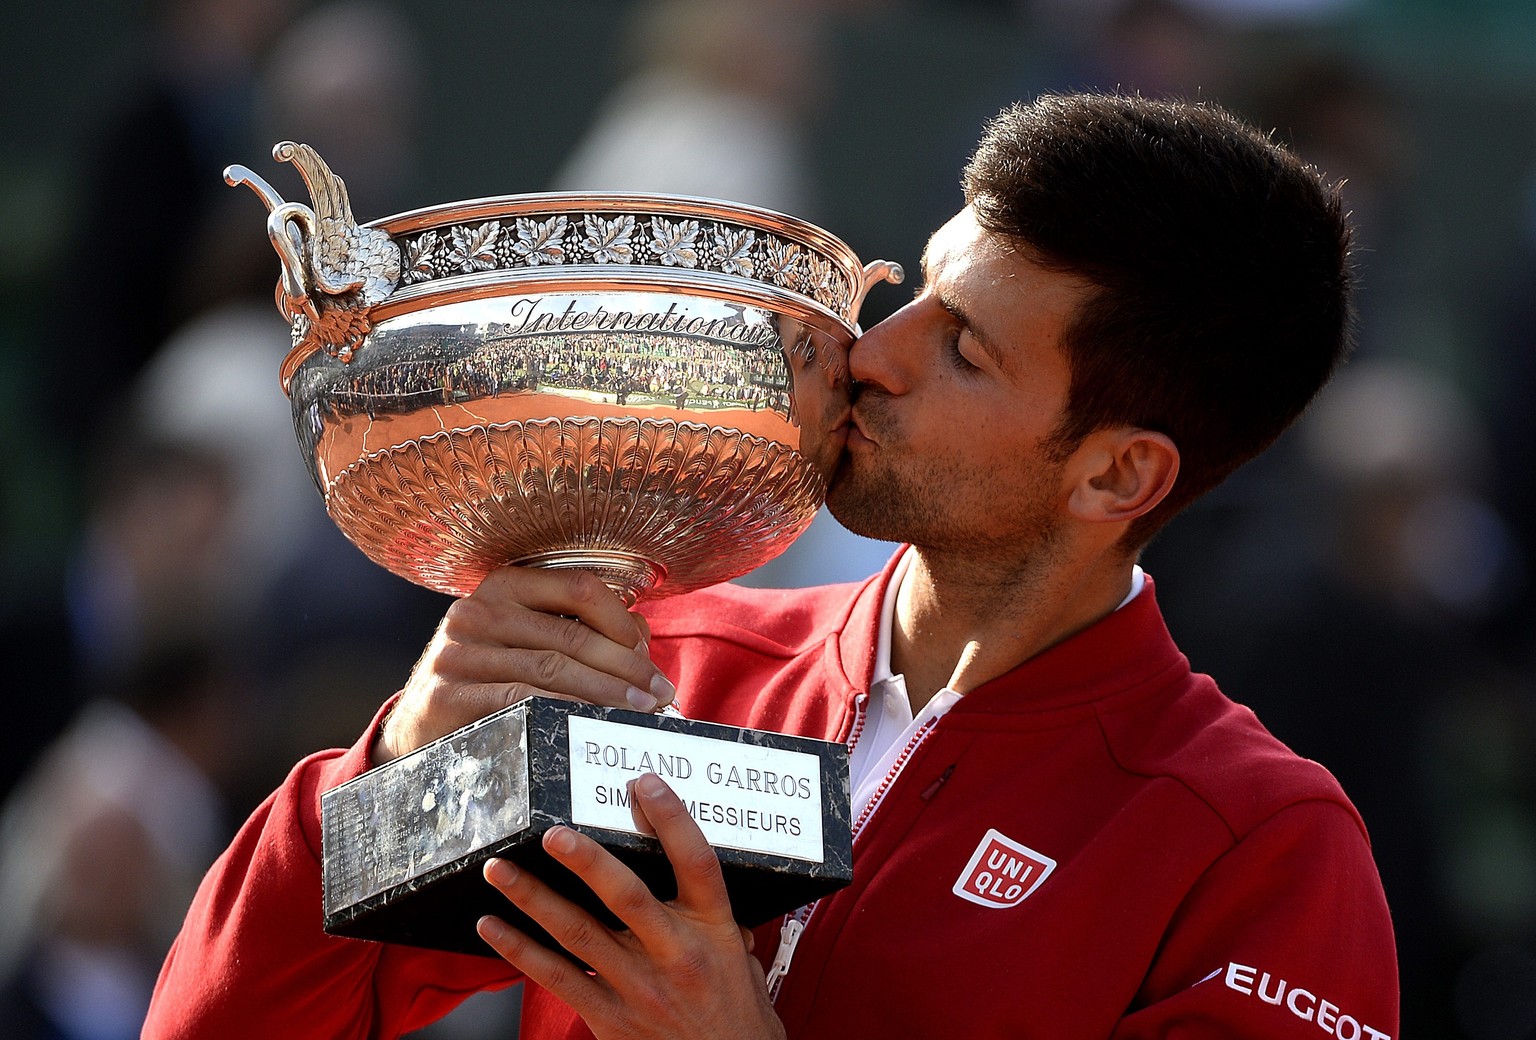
<point x="1221" y="264"/>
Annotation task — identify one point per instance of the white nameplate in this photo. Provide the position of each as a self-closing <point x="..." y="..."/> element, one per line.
<point x="744" y="796"/>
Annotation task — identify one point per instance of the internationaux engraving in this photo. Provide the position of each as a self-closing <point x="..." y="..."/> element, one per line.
<point x="530" y="315"/>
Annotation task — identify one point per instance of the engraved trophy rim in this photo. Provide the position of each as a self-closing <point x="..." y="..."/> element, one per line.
<point x="599" y="277"/>
<point x="483" y="207"/>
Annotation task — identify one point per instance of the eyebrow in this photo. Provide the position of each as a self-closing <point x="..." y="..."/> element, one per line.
<point x="983" y="339"/>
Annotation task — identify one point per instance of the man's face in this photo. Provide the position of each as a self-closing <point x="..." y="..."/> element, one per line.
<point x="959" y="392"/>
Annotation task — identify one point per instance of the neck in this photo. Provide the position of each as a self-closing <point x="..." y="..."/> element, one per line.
<point x="961" y="621"/>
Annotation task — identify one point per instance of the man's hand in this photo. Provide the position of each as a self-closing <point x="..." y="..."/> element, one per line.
<point x="525" y="631"/>
<point x="684" y="969"/>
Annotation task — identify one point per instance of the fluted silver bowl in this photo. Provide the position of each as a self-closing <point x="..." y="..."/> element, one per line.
<point x="651" y="387"/>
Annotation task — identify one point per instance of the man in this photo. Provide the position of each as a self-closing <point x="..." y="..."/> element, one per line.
<point x="1061" y="831"/>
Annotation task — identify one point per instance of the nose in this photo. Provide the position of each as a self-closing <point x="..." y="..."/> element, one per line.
<point x="883" y="356"/>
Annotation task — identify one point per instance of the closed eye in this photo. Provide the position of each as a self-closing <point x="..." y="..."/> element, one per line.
<point x="952" y="351"/>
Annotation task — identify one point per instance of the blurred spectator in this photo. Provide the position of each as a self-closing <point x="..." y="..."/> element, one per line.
<point x="102" y="846"/>
<point x="150" y="180"/>
<point x="1339" y="113"/>
<point x="204" y="507"/>
<point x="1168" y="48"/>
<point x="333" y="633"/>
<point x="345" y="78"/>
<point x="154" y="554"/>
<point x="214" y="385"/>
<point x="717" y="108"/>
<point x="1158" y="48"/>
<point x="111" y="290"/>
<point x="714" y="108"/>
<point x="1409" y="462"/>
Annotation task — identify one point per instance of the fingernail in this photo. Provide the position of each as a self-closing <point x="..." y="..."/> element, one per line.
<point x="500" y="872"/>
<point x="663" y="689"/>
<point x="491" y="929"/>
<point x="650" y="786"/>
<point x="560" y="839"/>
<point x="639" y="699"/>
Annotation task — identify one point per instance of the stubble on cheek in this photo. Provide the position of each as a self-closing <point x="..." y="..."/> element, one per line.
<point x="875" y="499"/>
<point x="939" y="501"/>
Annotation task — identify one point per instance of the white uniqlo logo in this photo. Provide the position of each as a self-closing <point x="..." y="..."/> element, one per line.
<point x="1002" y="873"/>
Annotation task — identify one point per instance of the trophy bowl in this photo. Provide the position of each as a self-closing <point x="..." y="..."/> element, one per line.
<point x="650" y="387"/>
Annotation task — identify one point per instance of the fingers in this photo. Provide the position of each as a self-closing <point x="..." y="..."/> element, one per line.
<point x="694" y="979"/>
<point x="560" y="632"/>
<point x="700" y="883"/>
<point x="586" y="671"/>
<point x="544" y="966"/>
<point x="576" y="593"/>
<point x="582" y="935"/>
<point x="611" y="881"/>
<point x="701" y="888"/>
<point x="525" y="631"/>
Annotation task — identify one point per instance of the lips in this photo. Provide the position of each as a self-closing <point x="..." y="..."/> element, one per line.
<point x="865" y="420"/>
<point x="868" y="413"/>
<point x="857" y="438"/>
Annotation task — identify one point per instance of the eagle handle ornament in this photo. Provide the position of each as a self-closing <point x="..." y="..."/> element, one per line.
<point x="333" y="271"/>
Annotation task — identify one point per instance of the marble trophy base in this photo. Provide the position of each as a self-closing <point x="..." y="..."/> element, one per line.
<point x="404" y="843"/>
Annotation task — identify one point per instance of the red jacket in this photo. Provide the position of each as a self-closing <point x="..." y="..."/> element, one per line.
<point x="1097" y="844"/>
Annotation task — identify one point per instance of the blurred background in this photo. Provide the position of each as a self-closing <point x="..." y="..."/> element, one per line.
<point x="181" y="622"/>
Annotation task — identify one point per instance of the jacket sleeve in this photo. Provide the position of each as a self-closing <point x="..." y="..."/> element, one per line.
<point x="252" y="959"/>
<point x="1285" y="935"/>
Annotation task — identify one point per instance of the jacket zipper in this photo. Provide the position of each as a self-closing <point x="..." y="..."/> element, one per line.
<point x="860" y="714"/>
<point x="795" y="923"/>
<point x="789" y="935"/>
<point x="890" y="777"/>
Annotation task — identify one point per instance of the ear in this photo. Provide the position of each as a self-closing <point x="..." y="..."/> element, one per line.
<point x="1120" y="474"/>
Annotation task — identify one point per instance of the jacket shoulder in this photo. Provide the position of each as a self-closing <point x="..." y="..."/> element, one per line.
<point x="764" y="658"/>
<point x="1221" y="753"/>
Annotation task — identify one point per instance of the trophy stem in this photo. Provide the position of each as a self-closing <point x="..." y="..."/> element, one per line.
<point x="628" y="574"/>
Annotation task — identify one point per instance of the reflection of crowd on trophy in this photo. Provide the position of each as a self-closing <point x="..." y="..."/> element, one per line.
<point x="621" y="368"/>
<point x="648" y="368"/>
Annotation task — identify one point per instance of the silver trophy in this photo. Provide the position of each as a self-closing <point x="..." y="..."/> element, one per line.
<point x="649" y="387"/>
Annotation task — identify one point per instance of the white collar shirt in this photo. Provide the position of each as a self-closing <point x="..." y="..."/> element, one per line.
<point x="889" y="725"/>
